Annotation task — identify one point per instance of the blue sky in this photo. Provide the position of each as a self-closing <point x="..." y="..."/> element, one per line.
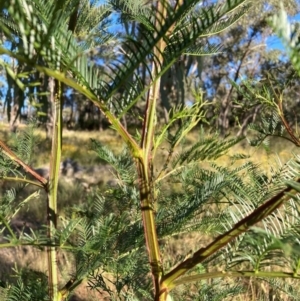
<point x="274" y="42"/>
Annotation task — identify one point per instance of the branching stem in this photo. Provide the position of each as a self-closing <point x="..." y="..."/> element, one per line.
<point x="24" y="180"/>
<point x="242" y="226"/>
<point x="232" y="274"/>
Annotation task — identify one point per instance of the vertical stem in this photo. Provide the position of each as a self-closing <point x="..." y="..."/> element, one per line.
<point x="147" y="207"/>
<point x="145" y="163"/>
<point x="52" y="189"/>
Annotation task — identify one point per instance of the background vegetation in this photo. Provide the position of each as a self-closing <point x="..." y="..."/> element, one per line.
<point x="247" y="49"/>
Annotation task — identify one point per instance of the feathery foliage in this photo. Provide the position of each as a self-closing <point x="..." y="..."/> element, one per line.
<point x="116" y="238"/>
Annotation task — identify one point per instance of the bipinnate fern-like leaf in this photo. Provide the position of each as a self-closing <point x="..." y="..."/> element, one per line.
<point x="122" y="164"/>
<point x="207" y="148"/>
<point x="270" y="125"/>
<point x="236" y="196"/>
<point x="271" y="245"/>
<point x="104" y="241"/>
<point x="24" y="142"/>
<point x="6" y="205"/>
<point x="8" y="167"/>
<point x="29" y="285"/>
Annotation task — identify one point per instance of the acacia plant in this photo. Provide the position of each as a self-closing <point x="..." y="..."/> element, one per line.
<point x="117" y="238"/>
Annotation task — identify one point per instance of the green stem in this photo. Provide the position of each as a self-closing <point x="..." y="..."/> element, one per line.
<point x="52" y="189"/>
<point x="8" y="228"/>
<point x="232" y="274"/>
<point x="145" y="163"/>
<point x="24" y="180"/>
<point x="19" y="243"/>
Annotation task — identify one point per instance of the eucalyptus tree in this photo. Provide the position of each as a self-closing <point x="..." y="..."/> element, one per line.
<point x="247" y="52"/>
<point x="278" y="89"/>
<point x="122" y="251"/>
<point x="13" y="91"/>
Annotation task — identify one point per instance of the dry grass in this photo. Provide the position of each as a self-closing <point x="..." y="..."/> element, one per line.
<point x="33" y="259"/>
<point x="76" y="145"/>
